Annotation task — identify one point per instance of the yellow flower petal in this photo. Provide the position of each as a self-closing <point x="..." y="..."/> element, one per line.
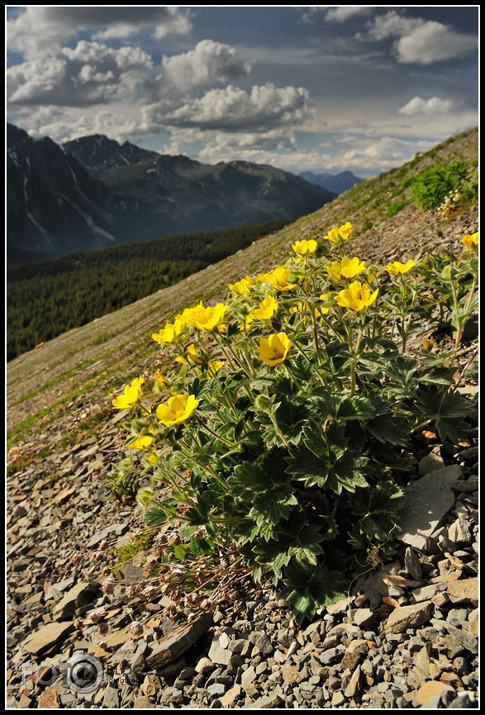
<point x="242" y="286"/>
<point x="346" y="230"/>
<point x="130" y="395"/>
<point x="398" y="268"/>
<point x="274" y="348"/>
<point x="177" y="409"/>
<point x="357" y="296"/>
<point x="204" y="318"/>
<point x="302" y="248"/>
<point x="141" y="442"/>
<point x="266" y="310"/>
<point x="470" y="240"/>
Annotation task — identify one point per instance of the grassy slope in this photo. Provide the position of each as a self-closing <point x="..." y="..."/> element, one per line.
<point x="100" y="357"/>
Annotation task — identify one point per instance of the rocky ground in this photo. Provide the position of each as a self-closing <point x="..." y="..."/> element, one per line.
<point x="406" y="636"/>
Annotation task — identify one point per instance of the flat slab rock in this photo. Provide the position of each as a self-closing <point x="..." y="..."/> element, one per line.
<point x="428" y="500"/>
<point x="178" y="641"/>
<point x="411" y="616"/>
<point x="46" y="636"/>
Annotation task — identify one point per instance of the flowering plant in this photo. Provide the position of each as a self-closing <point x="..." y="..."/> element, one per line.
<point x="284" y="417"/>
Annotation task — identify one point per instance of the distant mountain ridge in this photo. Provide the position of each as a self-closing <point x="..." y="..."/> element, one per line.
<point x="338" y="183"/>
<point x="180" y="190"/>
<point x="54" y="205"/>
<point x="100" y="154"/>
<point x="93" y="192"/>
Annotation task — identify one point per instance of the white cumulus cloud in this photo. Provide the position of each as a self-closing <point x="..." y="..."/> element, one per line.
<point x="434" y="105"/>
<point x="419" y="41"/>
<point x="90" y="73"/>
<point x="43" y="30"/>
<point x="209" y="62"/>
<point x="231" y="108"/>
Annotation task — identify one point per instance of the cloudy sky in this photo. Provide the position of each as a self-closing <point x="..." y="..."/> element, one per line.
<point x="321" y="88"/>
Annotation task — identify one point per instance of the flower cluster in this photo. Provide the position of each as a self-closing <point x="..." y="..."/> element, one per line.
<point x="279" y="406"/>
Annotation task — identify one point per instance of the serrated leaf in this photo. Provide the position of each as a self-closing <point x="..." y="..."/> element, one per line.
<point x="452" y="428"/>
<point x="302" y="606"/>
<point x="355" y="408"/>
<point x="272" y="506"/>
<point x="302" y="368"/>
<point x="247" y="476"/>
<point x="389" y="428"/>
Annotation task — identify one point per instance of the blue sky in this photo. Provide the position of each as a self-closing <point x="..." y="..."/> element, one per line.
<point x="321" y="88"/>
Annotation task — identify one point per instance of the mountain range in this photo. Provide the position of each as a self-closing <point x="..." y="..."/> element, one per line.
<point x="93" y="192"/>
<point x="338" y="183"/>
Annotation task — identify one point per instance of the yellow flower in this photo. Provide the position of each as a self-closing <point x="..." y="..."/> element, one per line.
<point x="204" y="318"/>
<point x="321" y="311"/>
<point x="266" y="310"/>
<point x="241" y="286"/>
<point x="130" y="395"/>
<point x="335" y="235"/>
<point x="346" y="230"/>
<point x="274" y="349"/>
<point x="214" y="367"/>
<point x="162" y="381"/>
<point x="428" y="343"/>
<point x="297" y="308"/>
<point x="142" y="442"/>
<point x="398" y="268"/>
<point x="348" y="268"/>
<point x="195" y="356"/>
<point x="170" y="332"/>
<point x="302" y="248"/>
<point x="177" y="409"/>
<point x="356" y="296"/>
<point x="278" y="278"/>
<point x="470" y="240"/>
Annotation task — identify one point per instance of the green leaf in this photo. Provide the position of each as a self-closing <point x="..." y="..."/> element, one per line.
<point x="377" y="508"/>
<point x="438" y="376"/>
<point x="313" y="587"/>
<point x="302" y="368"/>
<point x="247" y="476"/>
<point x="264" y="403"/>
<point x="302" y="606"/>
<point x="272" y="505"/>
<point x="290" y="418"/>
<point x="452" y="428"/>
<point x="355" y="408"/>
<point x="314" y="440"/>
<point x="180" y="551"/>
<point x="306" y="465"/>
<point x="389" y="428"/>
<point x="157" y="515"/>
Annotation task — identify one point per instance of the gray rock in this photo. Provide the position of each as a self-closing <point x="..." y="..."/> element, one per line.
<point x="46" y="637"/>
<point x="113" y="529"/>
<point x="219" y="655"/>
<point x="111" y="698"/>
<point x="466" y="639"/>
<point x="262" y="641"/>
<point x="412" y="564"/>
<point x="216" y="690"/>
<point x="428" y="500"/>
<point x="331" y="655"/>
<point x="79" y="595"/>
<point x="248" y="677"/>
<point x="460" y="532"/>
<point x="432" y="462"/>
<point x="171" y="646"/>
<point x="363" y="617"/>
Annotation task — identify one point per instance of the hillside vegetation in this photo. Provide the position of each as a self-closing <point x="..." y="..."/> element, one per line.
<point x="97" y="358"/>
<point x="46" y="298"/>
